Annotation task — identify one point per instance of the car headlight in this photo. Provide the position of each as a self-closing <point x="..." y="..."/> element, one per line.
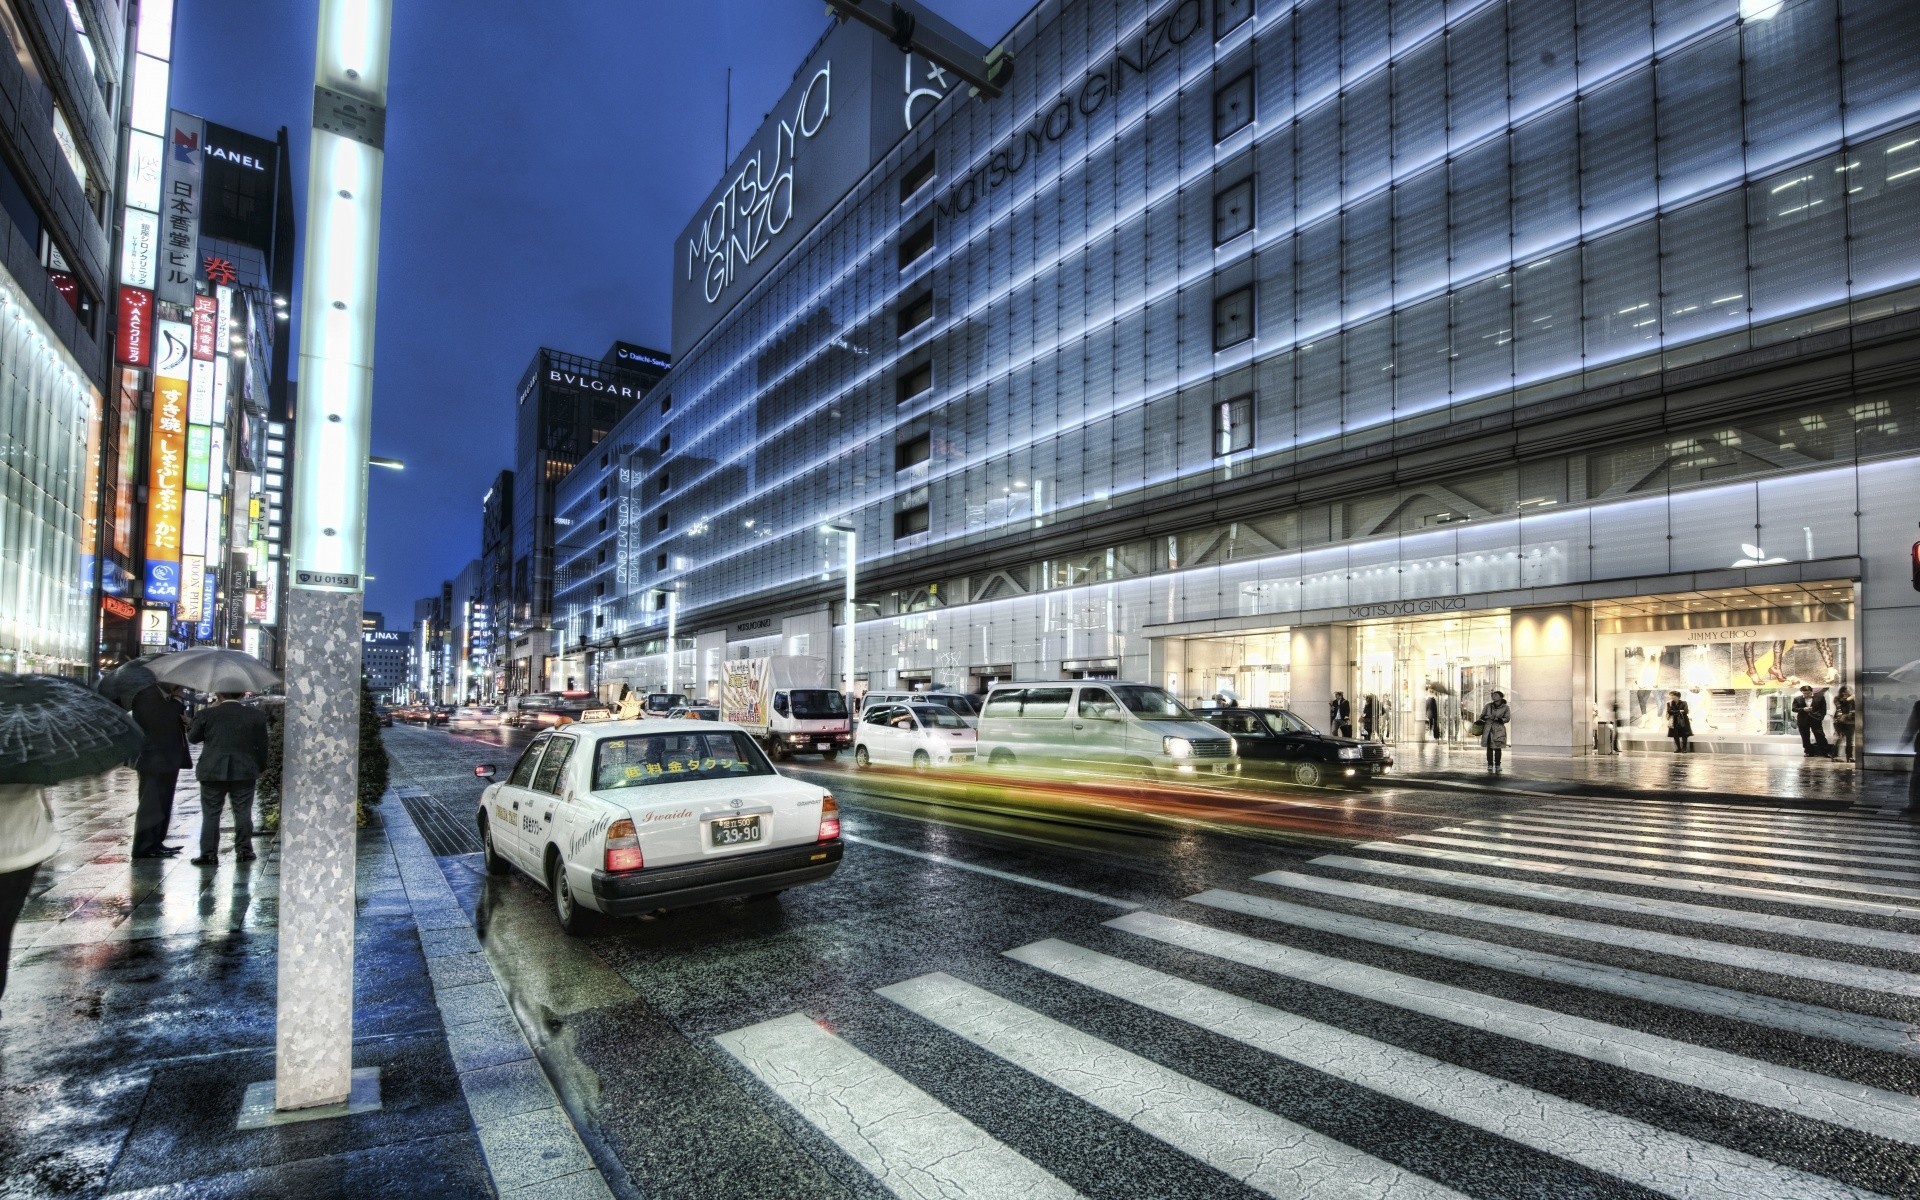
<point x="1176" y="747"/>
<point x="1233" y="746"/>
<point x="1350" y="752"/>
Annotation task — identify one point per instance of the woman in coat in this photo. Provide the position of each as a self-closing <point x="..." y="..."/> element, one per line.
<point x="1493" y="728"/>
<point x="27" y="839"/>
<point x="1846" y="719"/>
<point x="1679" y="724"/>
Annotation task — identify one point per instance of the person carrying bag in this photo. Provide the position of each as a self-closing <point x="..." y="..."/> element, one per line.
<point x="1492" y="728"/>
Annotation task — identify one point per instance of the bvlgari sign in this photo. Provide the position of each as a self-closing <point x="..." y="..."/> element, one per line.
<point x="842" y="112"/>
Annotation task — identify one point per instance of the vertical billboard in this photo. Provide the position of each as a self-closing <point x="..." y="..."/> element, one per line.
<point x="181" y="196"/>
<point x="166" y="487"/>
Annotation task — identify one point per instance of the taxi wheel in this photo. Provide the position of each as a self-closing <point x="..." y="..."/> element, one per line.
<point x="495" y="864"/>
<point x="829" y="755"/>
<point x="860" y="758"/>
<point x="1307" y="774"/>
<point x="922" y="761"/>
<point x="576" y="919"/>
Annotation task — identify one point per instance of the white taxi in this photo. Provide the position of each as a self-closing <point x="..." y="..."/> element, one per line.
<point x="629" y="817"/>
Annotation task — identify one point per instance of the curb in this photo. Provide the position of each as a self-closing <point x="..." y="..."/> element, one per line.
<point x="529" y="1141"/>
<point x="1555" y="789"/>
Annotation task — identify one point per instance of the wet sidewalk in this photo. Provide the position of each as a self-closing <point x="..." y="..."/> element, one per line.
<point x="1812" y="783"/>
<point x="140" y="1005"/>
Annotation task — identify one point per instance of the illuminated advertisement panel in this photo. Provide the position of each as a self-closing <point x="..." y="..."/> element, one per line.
<point x="133" y="341"/>
<point x="193" y="525"/>
<point x="181" y="190"/>
<point x="217" y="465"/>
<point x="172" y="348"/>
<point x="193" y="589"/>
<point x="199" y="455"/>
<point x="200" y="392"/>
<point x="166" y="474"/>
<point x="206" y="313"/>
<point x="145" y="155"/>
<point x="140" y="248"/>
<point x="208" y="601"/>
<point x="221" y="381"/>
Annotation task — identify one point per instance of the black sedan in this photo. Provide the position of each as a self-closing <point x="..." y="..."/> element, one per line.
<point x="1276" y="743"/>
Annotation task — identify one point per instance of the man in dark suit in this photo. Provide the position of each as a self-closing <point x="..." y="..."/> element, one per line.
<point x="1810" y="714"/>
<point x="235" y="739"/>
<point x="161" y="716"/>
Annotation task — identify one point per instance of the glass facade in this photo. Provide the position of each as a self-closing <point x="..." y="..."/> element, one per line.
<point x="1204" y="262"/>
<point x="50" y="426"/>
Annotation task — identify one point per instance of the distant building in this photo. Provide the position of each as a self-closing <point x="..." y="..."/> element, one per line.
<point x="383" y="662"/>
<point x="372" y="620"/>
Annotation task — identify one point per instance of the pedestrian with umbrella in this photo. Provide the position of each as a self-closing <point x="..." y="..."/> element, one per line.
<point x="163" y="755"/>
<point x="235" y="739"/>
<point x="51" y="730"/>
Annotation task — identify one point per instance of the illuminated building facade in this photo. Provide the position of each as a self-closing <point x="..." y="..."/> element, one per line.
<point x="1405" y="351"/>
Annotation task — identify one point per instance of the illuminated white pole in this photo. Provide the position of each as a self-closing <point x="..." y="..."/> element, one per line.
<point x="673" y="633"/>
<point x="847" y="634"/>
<point x="313" y="1065"/>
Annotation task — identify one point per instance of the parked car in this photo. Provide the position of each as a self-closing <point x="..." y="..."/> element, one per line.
<point x="628" y="817"/>
<point x="659" y="704"/>
<point x="956" y="702"/>
<point x="921" y="735"/>
<point x="472" y="715"/>
<point x="384" y="714"/>
<point x="1099" y="726"/>
<point x="1277" y="743"/>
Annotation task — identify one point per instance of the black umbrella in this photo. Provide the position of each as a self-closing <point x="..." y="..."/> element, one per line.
<point x="52" y="729"/>
<point x="126" y="681"/>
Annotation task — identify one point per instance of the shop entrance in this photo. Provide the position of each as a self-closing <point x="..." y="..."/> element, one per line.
<point x="1426" y="680"/>
<point x="1251" y="669"/>
<point x="1737" y="657"/>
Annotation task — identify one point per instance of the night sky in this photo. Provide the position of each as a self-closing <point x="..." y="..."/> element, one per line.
<point x="539" y="163"/>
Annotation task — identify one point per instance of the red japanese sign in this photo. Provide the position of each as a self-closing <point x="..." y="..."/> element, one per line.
<point x="118" y="607"/>
<point x="219" y="271"/>
<point x="206" y="311"/>
<point x="133" y="344"/>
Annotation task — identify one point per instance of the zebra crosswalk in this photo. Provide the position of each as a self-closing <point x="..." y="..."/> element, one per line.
<point x="1482" y="993"/>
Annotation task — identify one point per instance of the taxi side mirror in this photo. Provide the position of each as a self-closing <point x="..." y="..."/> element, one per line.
<point x="486" y="771"/>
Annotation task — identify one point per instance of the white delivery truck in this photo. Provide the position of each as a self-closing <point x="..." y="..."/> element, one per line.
<point x="786" y="703"/>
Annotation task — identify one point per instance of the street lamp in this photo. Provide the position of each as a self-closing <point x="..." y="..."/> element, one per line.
<point x="853" y="539"/>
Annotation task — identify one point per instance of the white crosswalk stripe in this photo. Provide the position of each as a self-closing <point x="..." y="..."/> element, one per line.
<point x="1642" y="879"/>
<point x="1681" y="850"/>
<point x="1619" y="1146"/>
<point x="1875" y="1033"/>
<point x="912" y="1143"/>
<point x="1857" y="832"/>
<point x="1768" y="905"/>
<point x="1267" y="1153"/>
<point x="1822" y="931"/>
<point x="1838" y="885"/>
<point x="1641" y="835"/>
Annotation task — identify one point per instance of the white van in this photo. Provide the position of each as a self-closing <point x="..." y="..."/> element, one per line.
<point x="1099" y="726"/>
<point x="966" y="706"/>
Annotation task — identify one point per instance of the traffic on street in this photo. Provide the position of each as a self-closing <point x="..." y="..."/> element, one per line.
<point x="1041" y="983"/>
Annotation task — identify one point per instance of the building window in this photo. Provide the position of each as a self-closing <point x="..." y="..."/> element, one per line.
<point x="918" y="176"/>
<point x="916" y="244"/>
<point x="1233" y="106"/>
<point x="666" y="481"/>
<point x="917" y="381"/>
<point x="660" y="522"/>
<point x="666" y="404"/>
<point x="603" y="524"/>
<point x="600" y="589"/>
<point x="1232" y="211"/>
<point x="659" y="562"/>
<point x="599" y="620"/>
<point x="603" y="491"/>
<point x="911" y="521"/>
<point x="1233" y="318"/>
<point x="1229" y="15"/>
<point x="916" y="312"/>
<point x="666" y="442"/>
<point x="1233" y="425"/>
<point x="912" y="452"/>
<point x="604" y="462"/>
<point x="600" y="556"/>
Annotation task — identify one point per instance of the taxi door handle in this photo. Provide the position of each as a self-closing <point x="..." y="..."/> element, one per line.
<point x="1079" y="726"/>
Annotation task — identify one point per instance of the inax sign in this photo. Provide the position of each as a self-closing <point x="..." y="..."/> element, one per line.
<point x="846" y="108"/>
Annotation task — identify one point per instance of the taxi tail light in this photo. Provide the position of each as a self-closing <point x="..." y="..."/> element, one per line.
<point x="829" y="820"/>
<point x="623" y="847"/>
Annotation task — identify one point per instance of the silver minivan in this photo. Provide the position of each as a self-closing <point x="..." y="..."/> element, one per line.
<point x="1099" y="726"/>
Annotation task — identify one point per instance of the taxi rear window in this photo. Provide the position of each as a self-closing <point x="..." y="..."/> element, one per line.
<point x="642" y="759"/>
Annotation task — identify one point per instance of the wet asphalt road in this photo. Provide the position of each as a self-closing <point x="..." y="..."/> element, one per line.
<point x="1009" y="988"/>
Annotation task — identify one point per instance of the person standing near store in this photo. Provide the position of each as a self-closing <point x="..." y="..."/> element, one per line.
<point x="1433" y="718"/>
<point x="1679" y="724"/>
<point x="1846" y="719"/>
<point x="1493" y="728"/>
<point x="235" y="737"/>
<point x="1810" y="714"/>
<point x="1340" y="715"/>
<point x="1912" y="738"/>
<point x="163" y="719"/>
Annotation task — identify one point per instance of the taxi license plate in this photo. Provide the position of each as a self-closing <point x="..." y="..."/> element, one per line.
<point x="735" y="831"/>
<point x="823" y="745"/>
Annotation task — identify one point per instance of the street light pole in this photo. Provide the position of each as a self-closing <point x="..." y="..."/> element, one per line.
<point x="313" y="1063"/>
<point x="673" y="635"/>
<point x="847" y="644"/>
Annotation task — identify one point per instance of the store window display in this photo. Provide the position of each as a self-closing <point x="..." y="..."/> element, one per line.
<point x="1738" y="686"/>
